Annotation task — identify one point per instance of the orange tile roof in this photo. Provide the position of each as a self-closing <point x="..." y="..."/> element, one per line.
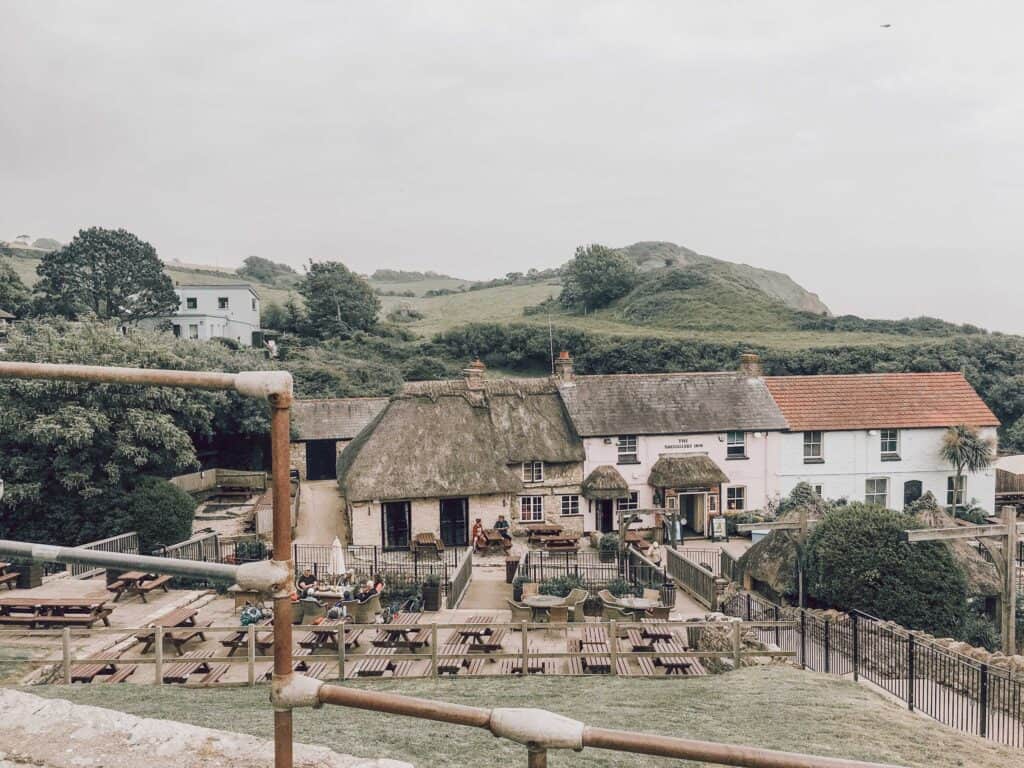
<point x="878" y="400"/>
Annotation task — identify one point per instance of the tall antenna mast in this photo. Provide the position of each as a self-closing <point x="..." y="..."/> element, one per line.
<point x="551" y="343"/>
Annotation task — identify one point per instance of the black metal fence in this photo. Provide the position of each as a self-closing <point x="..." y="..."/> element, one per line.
<point x="954" y="689"/>
<point x="593" y="572"/>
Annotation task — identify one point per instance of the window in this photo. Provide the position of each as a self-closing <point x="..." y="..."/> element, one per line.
<point x="533" y="471"/>
<point x="890" y="439"/>
<point x="176" y="330"/>
<point x="955" y="487"/>
<point x="876" y="491"/>
<point x="570" y="505"/>
<point x="736" y="445"/>
<point x="819" y="490"/>
<point x="254" y="305"/>
<point x="627" y="450"/>
<point x="191" y="302"/>
<point x="736" y="497"/>
<point x="531" y="509"/>
<point x="628" y="504"/>
<point x="193" y="331"/>
<point x="222" y="302"/>
<point x="712" y="503"/>
<point x="813" y="453"/>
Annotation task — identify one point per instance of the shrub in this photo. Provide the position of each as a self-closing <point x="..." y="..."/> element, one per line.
<point x="620" y="587"/>
<point x="855" y="560"/>
<point x="561" y="586"/>
<point x="249" y="551"/>
<point x="161" y="513"/>
<point x="609" y="544"/>
<point x="732" y="519"/>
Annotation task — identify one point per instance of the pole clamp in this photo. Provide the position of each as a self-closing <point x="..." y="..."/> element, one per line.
<point x="290" y="691"/>
<point x="271" y="577"/>
<point x="537" y="728"/>
<point x="263" y="384"/>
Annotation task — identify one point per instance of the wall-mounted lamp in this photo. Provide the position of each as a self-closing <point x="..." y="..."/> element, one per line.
<point x="759" y="435"/>
<point x="872" y="432"/>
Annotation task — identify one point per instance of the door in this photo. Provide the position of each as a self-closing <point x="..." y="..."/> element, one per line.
<point x="321" y="460"/>
<point x="395" y="524"/>
<point x="455" y="522"/>
<point x="912" y="491"/>
<point x="692" y="506"/>
<point x="605" y="515"/>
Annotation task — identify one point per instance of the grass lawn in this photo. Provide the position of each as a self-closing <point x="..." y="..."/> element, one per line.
<point x="772" y="707"/>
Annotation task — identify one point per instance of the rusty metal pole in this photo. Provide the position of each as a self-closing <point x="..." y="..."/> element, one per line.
<point x="536" y="758"/>
<point x="280" y="420"/>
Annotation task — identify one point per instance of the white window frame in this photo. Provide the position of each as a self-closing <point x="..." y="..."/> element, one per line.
<point x="742" y="498"/>
<point x="869" y="495"/>
<point x="629" y="504"/>
<point x="814" y="458"/>
<point x="572" y="501"/>
<point x="731" y="443"/>
<point x="193" y="331"/>
<point x="712" y="503"/>
<point x="894" y="439"/>
<point x="191" y="302"/>
<point x="223" y="302"/>
<point x="628" y="456"/>
<point x="533" y="471"/>
<point x="961" y="492"/>
<point x="819" y="488"/>
<point x="531" y="509"/>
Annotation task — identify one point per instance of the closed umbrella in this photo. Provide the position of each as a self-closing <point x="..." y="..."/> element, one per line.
<point x="337" y="558"/>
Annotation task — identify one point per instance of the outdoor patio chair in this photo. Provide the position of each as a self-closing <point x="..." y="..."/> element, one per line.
<point x="531" y="588"/>
<point x="610" y="612"/>
<point x="607" y="597"/>
<point x="520" y="613"/>
<point x="365" y="613"/>
<point x="558" y="614"/>
<point x="575" y="602"/>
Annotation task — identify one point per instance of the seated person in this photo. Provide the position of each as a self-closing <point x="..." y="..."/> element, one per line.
<point x="366" y="593"/>
<point x="378" y="584"/>
<point x="306" y="581"/>
<point x="502" y="527"/>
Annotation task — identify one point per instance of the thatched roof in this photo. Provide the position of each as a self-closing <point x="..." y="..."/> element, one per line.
<point x="605" y="482"/>
<point x="982" y="577"/>
<point x="694" y="471"/>
<point x="442" y="438"/>
<point x="669" y="404"/>
<point x="340" y="418"/>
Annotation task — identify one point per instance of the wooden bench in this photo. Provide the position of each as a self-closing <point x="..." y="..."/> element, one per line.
<point x="456" y="652"/>
<point x="574" y="665"/>
<point x="405" y="669"/>
<point x="144" y="588"/>
<point x="178" y="637"/>
<point x="318" y="670"/>
<point x="10" y="579"/>
<point x="488" y="643"/>
<point x="124" y="671"/>
<point x="474" y="668"/>
<point x="637" y="641"/>
<point x="216" y="672"/>
<point x="74" y="619"/>
<point x="622" y="667"/>
<point x="84" y="673"/>
<point x="646" y="665"/>
<point x="191" y="663"/>
<point x="374" y="664"/>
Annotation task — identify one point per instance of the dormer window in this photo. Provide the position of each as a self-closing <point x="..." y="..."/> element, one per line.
<point x="533" y="471"/>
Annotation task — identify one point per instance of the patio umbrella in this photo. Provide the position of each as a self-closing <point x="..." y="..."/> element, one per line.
<point x="337" y="558"/>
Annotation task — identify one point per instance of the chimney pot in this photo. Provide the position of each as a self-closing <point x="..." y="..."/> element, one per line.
<point x="563" y="366"/>
<point x="474" y="373"/>
<point x="750" y="365"/>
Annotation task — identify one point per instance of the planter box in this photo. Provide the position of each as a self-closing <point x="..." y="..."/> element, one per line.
<point x="30" y="575"/>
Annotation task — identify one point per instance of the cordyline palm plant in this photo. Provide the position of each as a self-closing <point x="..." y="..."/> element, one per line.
<point x="966" y="450"/>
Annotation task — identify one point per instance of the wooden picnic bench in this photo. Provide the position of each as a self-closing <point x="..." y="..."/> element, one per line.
<point x="183" y="628"/>
<point x="561" y="543"/>
<point x="537" y="532"/>
<point x="478" y="626"/>
<point x="594" y="634"/>
<point x="426" y="542"/>
<point x="674" y="659"/>
<point x="490" y="539"/>
<point x="638" y="642"/>
<point x="654" y="629"/>
<point x="536" y="665"/>
<point x="8" y="579"/>
<point x="474" y="667"/>
<point x="488" y="643"/>
<point x="191" y="663"/>
<point x="374" y="664"/>
<point x="451" y="658"/>
<point x="137" y="583"/>
<point x="53" y="612"/>
<point x="86" y="671"/>
<point x="326" y="634"/>
<point x="634" y="539"/>
<point x="240" y="639"/>
<point x="402" y="632"/>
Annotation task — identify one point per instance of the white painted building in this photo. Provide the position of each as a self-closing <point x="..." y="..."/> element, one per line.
<point x="229" y="311"/>
<point x="877" y="437"/>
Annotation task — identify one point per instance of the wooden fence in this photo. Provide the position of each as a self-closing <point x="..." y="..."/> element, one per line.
<point x="696" y="579"/>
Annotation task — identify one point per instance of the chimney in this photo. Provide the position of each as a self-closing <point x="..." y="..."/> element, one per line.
<point x="474" y="373"/>
<point x="563" y="367"/>
<point x="750" y="365"/>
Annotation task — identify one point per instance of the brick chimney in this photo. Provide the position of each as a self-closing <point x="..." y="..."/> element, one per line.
<point x="750" y="365"/>
<point x="474" y="373"/>
<point x="563" y="367"/>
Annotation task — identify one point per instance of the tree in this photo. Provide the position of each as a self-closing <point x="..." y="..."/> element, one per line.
<point x="159" y="512"/>
<point x="267" y="271"/>
<point x="595" y="277"/>
<point x="966" y="450"/>
<point x="14" y="295"/>
<point x="109" y="273"/>
<point x="856" y="560"/>
<point x="70" y="452"/>
<point x="338" y="301"/>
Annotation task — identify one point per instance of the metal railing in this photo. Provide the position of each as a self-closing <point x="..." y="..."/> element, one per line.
<point x="697" y="580"/>
<point x="956" y="690"/>
<point x="127" y="543"/>
<point x="592" y="572"/>
<point x="460" y="581"/>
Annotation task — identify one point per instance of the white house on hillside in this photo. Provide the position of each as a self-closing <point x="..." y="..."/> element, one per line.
<point x="229" y="311"/>
<point x="876" y="437"/>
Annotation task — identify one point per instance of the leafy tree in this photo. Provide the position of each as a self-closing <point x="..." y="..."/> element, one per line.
<point x="595" y="277"/>
<point x="338" y="301"/>
<point x="109" y="273"/>
<point x="14" y="295"/>
<point x="46" y="244"/>
<point x="71" y="451"/>
<point x="966" y="450"/>
<point x="856" y="560"/>
<point x="266" y="271"/>
<point x="161" y="513"/>
<point x="273" y="317"/>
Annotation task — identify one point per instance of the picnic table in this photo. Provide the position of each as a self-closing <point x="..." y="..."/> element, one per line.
<point x="656" y="630"/>
<point x="478" y="626"/>
<point x="326" y="636"/>
<point x="375" y="663"/>
<point x="451" y="658"/>
<point x="183" y="619"/>
<point x="427" y="542"/>
<point x="192" y="663"/>
<point x="561" y="543"/>
<point x="594" y="634"/>
<point x="53" y="612"/>
<point x="597" y="659"/>
<point x="542" y="531"/>
<point x="490" y="539"/>
<point x="403" y="631"/>
<point x="542" y="603"/>
<point x="674" y="658"/>
<point x="240" y="639"/>
<point x="137" y="583"/>
<point x="634" y="539"/>
<point x="10" y="579"/>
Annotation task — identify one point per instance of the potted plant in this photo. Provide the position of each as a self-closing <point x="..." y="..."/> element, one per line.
<point x="608" y="549"/>
<point x="517" y="587"/>
<point x="431" y="591"/>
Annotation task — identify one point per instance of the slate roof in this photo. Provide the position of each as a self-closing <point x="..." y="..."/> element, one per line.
<point x="441" y="439"/>
<point x="669" y="403"/>
<point x="878" y="401"/>
<point x="334" y="419"/>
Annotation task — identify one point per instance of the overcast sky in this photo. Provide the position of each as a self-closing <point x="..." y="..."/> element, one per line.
<point x="879" y="167"/>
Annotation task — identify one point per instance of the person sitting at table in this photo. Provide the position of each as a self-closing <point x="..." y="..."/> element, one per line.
<point x="306" y="581"/>
<point x="378" y="584"/>
<point x="502" y="527"/>
<point x="478" y="532"/>
<point x="366" y="592"/>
